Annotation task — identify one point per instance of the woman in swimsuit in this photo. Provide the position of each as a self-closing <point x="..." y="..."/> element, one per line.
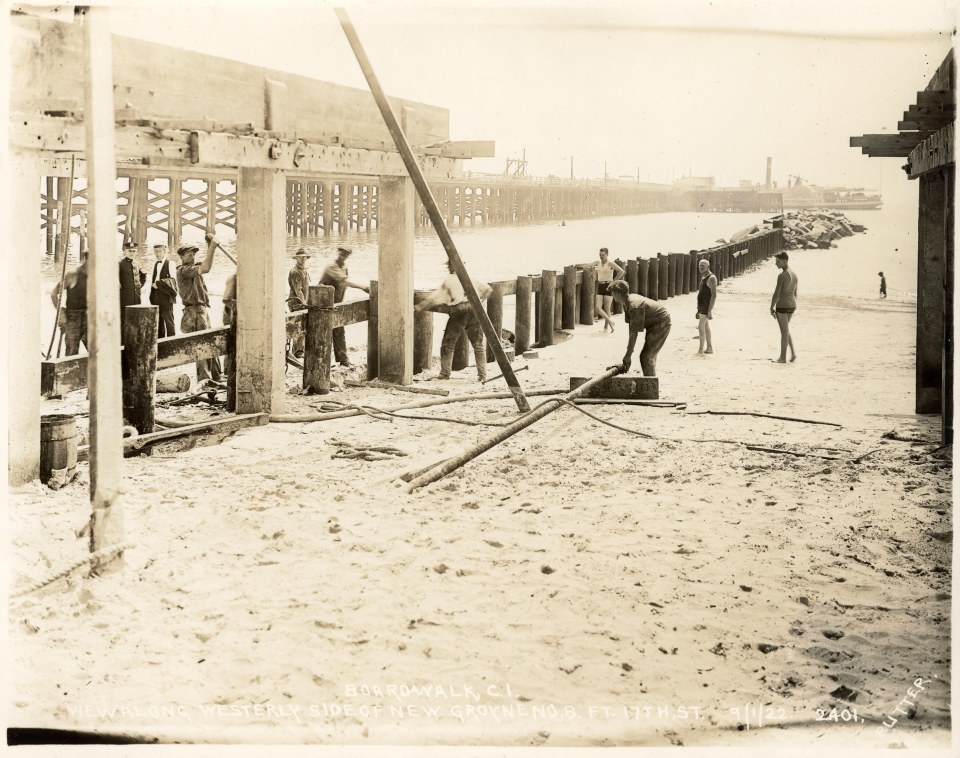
<point x="706" y="297"/>
<point x="607" y="273"/>
<point x="783" y="305"/>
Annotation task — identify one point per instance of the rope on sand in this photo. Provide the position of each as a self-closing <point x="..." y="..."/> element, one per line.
<point x="107" y="552"/>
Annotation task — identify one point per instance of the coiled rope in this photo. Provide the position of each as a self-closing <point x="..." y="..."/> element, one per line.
<point x="107" y="552"/>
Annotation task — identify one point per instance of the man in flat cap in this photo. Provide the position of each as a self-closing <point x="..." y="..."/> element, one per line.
<point x="196" y="300"/>
<point x="131" y="280"/>
<point x="299" y="281"/>
<point x="335" y="275"/>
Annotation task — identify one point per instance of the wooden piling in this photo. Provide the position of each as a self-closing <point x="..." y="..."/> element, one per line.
<point x="318" y="343"/>
<point x="653" y="278"/>
<point x="545" y="312"/>
<point x="558" y="304"/>
<point x="373" y="328"/>
<point x="633" y="280"/>
<point x="684" y="273"/>
<point x="139" y="365"/>
<point x="521" y="327"/>
<point x="588" y="295"/>
<point x="422" y="341"/>
<point x="495" y="313"/>
<point x="671" y="259"/>
<point x="641" y="276"/>
<point x="663" y="278"/>
<point x="569" y="320"/>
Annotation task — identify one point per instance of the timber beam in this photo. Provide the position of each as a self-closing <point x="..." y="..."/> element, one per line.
<point x="463" y="149"/>
<point x="53" y="137"/>
<point x="933" y="153"/>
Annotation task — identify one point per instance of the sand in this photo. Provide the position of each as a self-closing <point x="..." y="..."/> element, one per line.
<point x="577" y="585"/>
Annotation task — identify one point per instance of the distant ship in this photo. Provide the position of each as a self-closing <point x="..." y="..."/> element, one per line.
<point x="800" y="196"/>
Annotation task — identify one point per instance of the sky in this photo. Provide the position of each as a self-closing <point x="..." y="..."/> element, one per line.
<point x="653" y="90"/>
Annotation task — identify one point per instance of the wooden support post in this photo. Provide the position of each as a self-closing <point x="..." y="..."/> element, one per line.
<point x="671" y="274"/>
<point x="588" y="295"/>
<point x="261" y="280"/>
<point x="569" y="318"/>
<point x="633" y="276"/>
<point x="318" y="343"/>
<point x="343" y="205"/>
<point x="103" y="295"/>
<point x="373" y="329"/>
<point x="48" y="220"/>
<point x="545" y="314"/>
<point x="422" y="341"/>
<point x="663" y="277"/>
<point x="689" y="267"/>
<point x="230" y="365"/>
<point x="23" y="318"/>
<point x="495" y="313"/>
<point x="139" y="362"/>
<point x="64" y="190"/>
<point x="175" y="211"/>
<point x="395" y="269"/>
<point x="641" y="276"/>
<point x="931" y="280"/>
<point x="558" y="303"/>
<point x="615" y="307"/>
<point x="653" y="279"/>
<point x="522" y="323"/>
<point x="327" y="208"/>
<point x="537" y="305"/>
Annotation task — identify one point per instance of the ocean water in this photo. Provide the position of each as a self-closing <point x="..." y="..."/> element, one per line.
<point x="847" y="272"/>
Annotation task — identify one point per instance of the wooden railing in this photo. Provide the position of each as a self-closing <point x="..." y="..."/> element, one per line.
<point x="544" y="303"/>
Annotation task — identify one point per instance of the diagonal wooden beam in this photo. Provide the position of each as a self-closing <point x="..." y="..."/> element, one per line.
<point x="436" y="218"/>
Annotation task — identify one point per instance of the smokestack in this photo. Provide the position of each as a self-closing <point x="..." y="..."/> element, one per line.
<point x="768" y="185"/>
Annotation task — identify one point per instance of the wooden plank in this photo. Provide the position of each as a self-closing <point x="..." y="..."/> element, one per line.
<point x="61" y="135"/>
<point x="303" y="157"/>
<point x="191" y="347"/>
<point x="936" y="151"/>
<point x="463" y="149"/>
<point x="936" y="97"/>
<point x="354" y="312"/>
<point x="136" y="445"/>
<point x="906" y="139"/>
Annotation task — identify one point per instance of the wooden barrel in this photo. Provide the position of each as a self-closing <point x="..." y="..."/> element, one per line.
<point x="58" y="444"/>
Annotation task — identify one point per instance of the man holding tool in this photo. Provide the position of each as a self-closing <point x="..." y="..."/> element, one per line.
<point x="642" y="314"/>
<point x="196" y="300"/>
<point x="462" y="319"/>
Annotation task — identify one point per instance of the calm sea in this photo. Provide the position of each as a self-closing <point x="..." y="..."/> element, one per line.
<point x="847" y="272"/>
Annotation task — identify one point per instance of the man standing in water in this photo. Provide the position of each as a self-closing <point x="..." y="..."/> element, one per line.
<point x="335" y="275"/>
<point x="462" y="319"/>
<point x="783" y="305"/>
<point x="883" y="286"/>
<point x="643" y="315"/>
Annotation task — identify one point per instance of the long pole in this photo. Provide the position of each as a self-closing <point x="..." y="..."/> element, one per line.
<point x="436" y="218"/>
<point x="452" y="464"/>
<point x="66" y="213"/>
<point x="103" y="295"/>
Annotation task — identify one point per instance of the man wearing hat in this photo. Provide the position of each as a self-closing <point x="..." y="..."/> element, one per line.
<point x="196" y="300"/>
<point x="643" y="315"/>
<point x="299" y="281"/>
<point x="335" y="275"/>
<point x="163" y="292"/>
<point x="131" y="280"/>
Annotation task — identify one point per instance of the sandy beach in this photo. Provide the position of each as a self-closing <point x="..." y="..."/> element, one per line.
<point x="579" y="585"/>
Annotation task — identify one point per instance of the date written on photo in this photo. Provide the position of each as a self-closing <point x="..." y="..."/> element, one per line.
<point x="752" y="715"/>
